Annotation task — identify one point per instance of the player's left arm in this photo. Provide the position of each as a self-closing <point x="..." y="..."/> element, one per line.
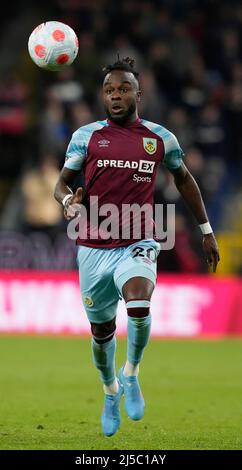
<point x="189" y="190"/>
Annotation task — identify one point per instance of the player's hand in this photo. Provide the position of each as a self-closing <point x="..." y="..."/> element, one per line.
<point x="73" y="205"/>
<point x="210" y="248"/>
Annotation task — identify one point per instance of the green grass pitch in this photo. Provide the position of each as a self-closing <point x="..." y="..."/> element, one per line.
<point x="51" y="395"/>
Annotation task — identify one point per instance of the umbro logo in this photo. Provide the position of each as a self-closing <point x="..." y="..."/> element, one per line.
<point x="103" y="143"/>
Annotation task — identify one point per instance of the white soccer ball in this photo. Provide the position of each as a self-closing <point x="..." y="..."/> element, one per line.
<point x="53" y="45"/>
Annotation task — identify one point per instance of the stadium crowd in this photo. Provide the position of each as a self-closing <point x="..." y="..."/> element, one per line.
<point x="189" y="54"/>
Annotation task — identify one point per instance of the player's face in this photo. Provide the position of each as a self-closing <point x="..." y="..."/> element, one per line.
<point x="121" y="95"/>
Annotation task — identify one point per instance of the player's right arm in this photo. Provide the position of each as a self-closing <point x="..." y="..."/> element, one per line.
<point x="64" y="195"/>
<point x="75" y="157"/>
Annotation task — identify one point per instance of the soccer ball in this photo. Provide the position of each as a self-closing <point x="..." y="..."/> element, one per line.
<point x="53" y="45"/>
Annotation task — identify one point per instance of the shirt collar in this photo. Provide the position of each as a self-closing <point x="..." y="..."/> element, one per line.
<point x="128" y="124"/>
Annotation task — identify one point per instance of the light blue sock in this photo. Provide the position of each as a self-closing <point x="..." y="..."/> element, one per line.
<point x="104" y="359"/>
<point x="138" y="336"/>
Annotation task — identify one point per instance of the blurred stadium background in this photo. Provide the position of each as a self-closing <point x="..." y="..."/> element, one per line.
<point x="189" y="54"/>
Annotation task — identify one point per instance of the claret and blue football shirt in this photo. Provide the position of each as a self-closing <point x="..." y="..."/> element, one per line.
<point x="119" y="165"/>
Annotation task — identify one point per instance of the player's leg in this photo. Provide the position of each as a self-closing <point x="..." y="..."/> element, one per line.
<point x="135" y="279"/>
<point x="137" y="293"/>
<point x="100" y="299"/>
<point x="103" y="349"/>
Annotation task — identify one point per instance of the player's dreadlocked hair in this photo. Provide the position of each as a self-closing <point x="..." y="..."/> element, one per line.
<point x="127" y="65"/>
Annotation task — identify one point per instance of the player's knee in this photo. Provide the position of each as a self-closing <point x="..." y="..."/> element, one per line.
<point x="103" y="332"/>
<point x="138" y="308"/>
<point x="138" y="288"/>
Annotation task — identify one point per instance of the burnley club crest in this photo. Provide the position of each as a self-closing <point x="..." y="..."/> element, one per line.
<point x="150" y="145"/>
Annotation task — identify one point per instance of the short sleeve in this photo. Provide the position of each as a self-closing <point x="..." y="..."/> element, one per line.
<point x="173" y="153"/>
<point x="76" y="152"/>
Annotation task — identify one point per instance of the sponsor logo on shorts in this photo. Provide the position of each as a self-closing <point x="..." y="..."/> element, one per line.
<point x="88" y="301"/>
